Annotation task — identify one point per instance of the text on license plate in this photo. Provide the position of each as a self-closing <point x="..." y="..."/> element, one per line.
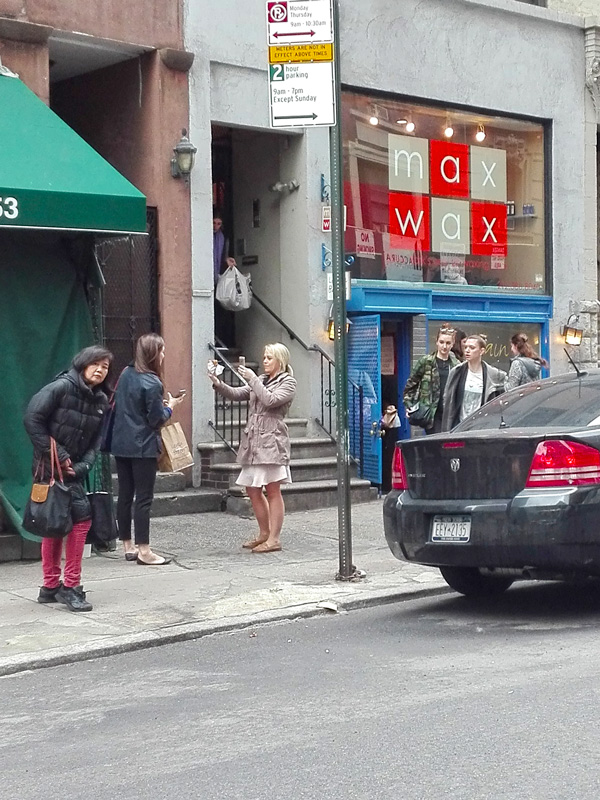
<point x="456" y="528"/>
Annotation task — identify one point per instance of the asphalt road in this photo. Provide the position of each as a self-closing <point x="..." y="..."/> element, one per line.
<point x="424" y="699"/>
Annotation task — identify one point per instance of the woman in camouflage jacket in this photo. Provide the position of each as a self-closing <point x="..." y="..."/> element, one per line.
<point x="425" y="387"/>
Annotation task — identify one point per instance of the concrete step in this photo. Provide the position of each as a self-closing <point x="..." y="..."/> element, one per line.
<point x="190" y="501"/>
<point x="302" y="469"/>
<point x="304" y="496"/>
<point x="302" y="447"/>
<point x="10" y="547"/>
<point x="297" y="427"/>
<point x="318" y="447"/>
<point x="165" y="482"/>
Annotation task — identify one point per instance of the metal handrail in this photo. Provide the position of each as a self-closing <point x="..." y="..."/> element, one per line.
<point x="222" y="404"/>
<point x="327" y="380"/>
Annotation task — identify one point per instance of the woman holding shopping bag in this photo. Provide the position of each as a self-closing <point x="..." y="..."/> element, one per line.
<point x="139" y="414"/>
<point x="70" y="411"/>
<point x="264" y="452"/>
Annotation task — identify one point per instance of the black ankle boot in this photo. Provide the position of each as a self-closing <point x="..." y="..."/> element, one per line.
<point x="48" y="595"/>
<point x="73" y="598"/>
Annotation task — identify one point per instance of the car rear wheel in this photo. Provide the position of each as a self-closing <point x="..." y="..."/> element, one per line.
<point x="470" y="582"/>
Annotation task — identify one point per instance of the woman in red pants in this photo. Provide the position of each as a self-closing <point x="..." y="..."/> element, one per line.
<point x="70" y="409"/>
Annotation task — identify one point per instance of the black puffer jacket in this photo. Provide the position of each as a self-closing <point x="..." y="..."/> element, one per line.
<point x="71" y="412"/>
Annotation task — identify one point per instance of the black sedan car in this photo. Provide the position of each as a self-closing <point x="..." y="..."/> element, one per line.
<point x="512" y="492"/>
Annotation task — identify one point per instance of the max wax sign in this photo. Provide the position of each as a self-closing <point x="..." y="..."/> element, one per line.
<point x="447" y="197"/>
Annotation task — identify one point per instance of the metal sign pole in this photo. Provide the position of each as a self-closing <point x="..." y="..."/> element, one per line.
<point x="346" y="569"/>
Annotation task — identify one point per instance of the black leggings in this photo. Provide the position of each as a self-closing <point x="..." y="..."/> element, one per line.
<point x="137" y="476"/>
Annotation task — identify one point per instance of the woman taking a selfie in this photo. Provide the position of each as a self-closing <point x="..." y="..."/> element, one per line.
<point x="264" y="452"/>
<point x="471" y="384"/>
<point x="140" y="412"/>
<point x="70" y="410"/>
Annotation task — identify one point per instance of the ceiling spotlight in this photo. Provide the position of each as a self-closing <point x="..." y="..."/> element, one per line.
<point x="480" y="135"/>
<point x="410" y="126"/>
<point x="449" y="131"/>
<point x="374" y="120"/>
<point x="401" y="121"/>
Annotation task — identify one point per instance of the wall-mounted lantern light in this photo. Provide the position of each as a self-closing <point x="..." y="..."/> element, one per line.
<point x="571" y="334"/>
<point x="183" y="157"/>
<point x="331" y="325"/>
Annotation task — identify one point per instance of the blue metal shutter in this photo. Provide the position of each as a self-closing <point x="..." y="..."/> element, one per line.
<point x="364" y="369"/>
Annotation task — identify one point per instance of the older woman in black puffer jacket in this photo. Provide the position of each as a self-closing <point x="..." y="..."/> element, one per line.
<point x="70" y="409"/>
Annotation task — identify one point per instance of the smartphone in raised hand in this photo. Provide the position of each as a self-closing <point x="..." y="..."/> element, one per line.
<point x="242" y="361"/>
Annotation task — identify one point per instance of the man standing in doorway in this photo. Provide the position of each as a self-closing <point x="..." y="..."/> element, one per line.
<point x="221" y="257"/>
<point x="224" y="320"/>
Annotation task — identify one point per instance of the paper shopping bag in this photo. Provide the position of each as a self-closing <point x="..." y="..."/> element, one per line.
<point x="175" y="454"/>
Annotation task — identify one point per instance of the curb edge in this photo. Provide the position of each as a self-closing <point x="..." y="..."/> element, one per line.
<point x="198" y="630"/>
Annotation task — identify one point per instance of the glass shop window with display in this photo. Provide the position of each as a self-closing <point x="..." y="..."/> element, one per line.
<point x="443" y="197"/>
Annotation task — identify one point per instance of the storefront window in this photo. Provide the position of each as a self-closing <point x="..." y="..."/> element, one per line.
<point x="440" y="196"/>
<point x="498" y="336"/>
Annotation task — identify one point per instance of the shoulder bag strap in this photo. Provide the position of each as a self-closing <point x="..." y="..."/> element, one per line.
<point x="112" y="399"/>
<point x="54" y="462"/>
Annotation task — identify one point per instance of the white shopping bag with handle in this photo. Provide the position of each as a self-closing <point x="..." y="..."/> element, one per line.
<point x="234" y="290"/>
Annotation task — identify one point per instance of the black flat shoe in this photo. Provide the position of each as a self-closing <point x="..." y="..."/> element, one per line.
<point x="131" y="556"/>
<point x="160" y="563"/>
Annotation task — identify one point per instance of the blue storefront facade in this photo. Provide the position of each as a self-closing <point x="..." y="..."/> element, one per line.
<point x="448" y="220"/>
<point x="470" y="183"/>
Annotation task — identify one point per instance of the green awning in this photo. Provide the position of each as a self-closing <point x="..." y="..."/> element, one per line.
<point x="51" y="178"/>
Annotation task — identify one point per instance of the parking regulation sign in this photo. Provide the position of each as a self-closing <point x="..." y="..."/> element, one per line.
<point x="299" y="21"/>
<point x="302" y="95"/>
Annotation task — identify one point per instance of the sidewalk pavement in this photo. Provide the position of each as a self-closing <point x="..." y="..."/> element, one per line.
<point x="212" y="585"/>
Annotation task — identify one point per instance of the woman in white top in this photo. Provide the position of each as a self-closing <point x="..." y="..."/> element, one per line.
<point x="471" y="384"/>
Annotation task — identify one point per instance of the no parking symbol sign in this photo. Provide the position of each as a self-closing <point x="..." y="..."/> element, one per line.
<point x="278" y="11"/>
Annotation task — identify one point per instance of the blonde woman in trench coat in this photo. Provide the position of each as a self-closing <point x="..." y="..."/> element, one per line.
<point x="264" y="453"/>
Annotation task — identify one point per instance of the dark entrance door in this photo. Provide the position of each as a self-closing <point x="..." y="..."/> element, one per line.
<point x="130" y="297"/>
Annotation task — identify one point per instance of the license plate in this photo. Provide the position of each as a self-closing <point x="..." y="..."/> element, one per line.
<point x="451" y="528"/>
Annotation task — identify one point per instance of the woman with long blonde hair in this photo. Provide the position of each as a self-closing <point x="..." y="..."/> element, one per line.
<point x="264" y="453"/>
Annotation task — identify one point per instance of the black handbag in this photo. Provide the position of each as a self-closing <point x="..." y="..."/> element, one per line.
<point x="48" y="510"/>
<point x="104" y="524"/>
<point x="420" y="416"/>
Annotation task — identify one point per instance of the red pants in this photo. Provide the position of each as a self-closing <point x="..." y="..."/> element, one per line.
<point x="52" y="554"/>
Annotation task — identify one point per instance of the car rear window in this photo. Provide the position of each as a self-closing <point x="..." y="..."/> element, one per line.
<point x="571" y="403"/>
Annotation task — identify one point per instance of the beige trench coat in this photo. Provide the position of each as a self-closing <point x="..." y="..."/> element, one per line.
<point x="265" y="439"/>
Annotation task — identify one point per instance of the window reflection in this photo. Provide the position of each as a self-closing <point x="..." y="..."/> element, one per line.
<point x="441" y="196"/>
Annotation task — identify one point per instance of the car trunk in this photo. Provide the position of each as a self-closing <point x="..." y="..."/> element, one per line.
<point x="477" y="465"/>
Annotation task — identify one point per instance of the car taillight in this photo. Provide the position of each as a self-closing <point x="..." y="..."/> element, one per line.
<point x="399" y="480"/>
<point x="557" y="462"/>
